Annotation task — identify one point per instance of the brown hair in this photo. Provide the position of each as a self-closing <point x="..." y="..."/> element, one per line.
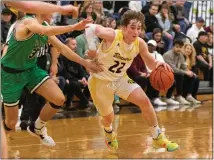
<point x="131" y="15"/>
<point x="165" y="6"/>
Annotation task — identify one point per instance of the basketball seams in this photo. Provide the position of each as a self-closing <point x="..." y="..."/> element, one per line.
<point x="158" y="80"/>
<point x="162" y="81"/>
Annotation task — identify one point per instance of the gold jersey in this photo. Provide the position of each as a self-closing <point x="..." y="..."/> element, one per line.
<point x="117" y="58"/>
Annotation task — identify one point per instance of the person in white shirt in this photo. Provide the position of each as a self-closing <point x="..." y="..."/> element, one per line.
<point x="151" y="92"/>
<point x="192" y="33"/>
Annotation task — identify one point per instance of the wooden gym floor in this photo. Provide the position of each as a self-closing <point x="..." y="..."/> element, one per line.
<point x="191" y="127"/>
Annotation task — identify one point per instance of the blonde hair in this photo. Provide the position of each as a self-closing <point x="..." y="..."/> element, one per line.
<point x="192" y="56"/>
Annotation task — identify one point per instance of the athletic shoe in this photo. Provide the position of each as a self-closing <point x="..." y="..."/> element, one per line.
<point x="163" y="142"/>
<point x="111" y="140"/>
<point x="41" y="134"/>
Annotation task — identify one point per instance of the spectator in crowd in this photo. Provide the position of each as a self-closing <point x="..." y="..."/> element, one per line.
<point x="204" y="60"/>
<point x="210" y="44"/>
<point x="98" y="8"/>
<point x="76" y="79"/>
<point x="6" y="16"/>
<point x="138" y="72"/>
<point x="209" y="29"/>
<point x="151" y="92"/>
<point x="165" y="19"/>
<point x="151" y="21"/>
<point x="147" y="6"/>
<point x="111" y="23"/>
<point x="157" y="35"/>
<point x="87" y="11"/>
<point x="180" y="16"/>
<point x="175" y="59"/>
<point x="193" y="32"/>
<point x="108" y="7"/>
<point x="191" y="85"/>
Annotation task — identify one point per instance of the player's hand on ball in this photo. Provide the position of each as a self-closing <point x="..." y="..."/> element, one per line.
<point x="165" y="65"/>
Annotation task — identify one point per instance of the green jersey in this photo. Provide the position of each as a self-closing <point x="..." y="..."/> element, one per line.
<point x="22" y="54"/>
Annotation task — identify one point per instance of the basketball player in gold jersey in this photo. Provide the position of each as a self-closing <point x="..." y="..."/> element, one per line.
<point x="116" y="53"/>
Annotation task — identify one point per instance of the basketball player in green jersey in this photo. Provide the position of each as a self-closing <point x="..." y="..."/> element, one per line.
<point x="19" y="70"/>
<point x="116" y="52"/>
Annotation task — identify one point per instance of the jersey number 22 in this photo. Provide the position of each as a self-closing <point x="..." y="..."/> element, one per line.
<point x="117" y="67"/>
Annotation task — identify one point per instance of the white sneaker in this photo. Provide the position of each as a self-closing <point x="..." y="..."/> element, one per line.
<point x="41" y="134"/>
<point x="182" y="100"/>
<point x="170" y="101"/>
<point x="192" y="100"/>
<point x="158" y="102"/>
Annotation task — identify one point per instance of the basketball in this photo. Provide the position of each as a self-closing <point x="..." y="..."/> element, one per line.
<point x="161" y="79"/>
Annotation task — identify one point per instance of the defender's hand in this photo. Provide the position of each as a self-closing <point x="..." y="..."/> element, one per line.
<point x="82" y="24"/>
<point x="93" y="66"/>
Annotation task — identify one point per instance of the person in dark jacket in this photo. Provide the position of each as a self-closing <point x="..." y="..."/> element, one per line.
<point x="76" y="78"/>
<point x="151" y="21"/>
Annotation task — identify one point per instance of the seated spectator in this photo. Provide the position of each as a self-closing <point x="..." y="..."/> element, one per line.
<point x="151" y="21"/>
<point x="76" y="79"/>
<point x="180" y="16"/>
<point x="175" y="59"/>
<point x="111" y="23"/>
<point x="147" y="6"/>
<point x="210" y="44"/>
<point x="139" y="73"/>
<point x="151" y="92"/>
<point x="203" y="58"/>
<point x="165" y="19"/>
<point x="190" y="87"/>
<point x="6" y="16"/>
<point x="157" y="35"/>
<point x="98" y="8"/>
<point x="87" y="11"/>
<point x="209" y="29"/>
<point x="193" y="32"/>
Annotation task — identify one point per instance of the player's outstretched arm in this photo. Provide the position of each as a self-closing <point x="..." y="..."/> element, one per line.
<point x="150" y="61"/>
<point x="68" y="53"/>
<point x="42" y="7"/>
<point x="33" y="25"/>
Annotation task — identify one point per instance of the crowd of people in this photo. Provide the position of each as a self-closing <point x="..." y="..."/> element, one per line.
<point x="187" y="48"/>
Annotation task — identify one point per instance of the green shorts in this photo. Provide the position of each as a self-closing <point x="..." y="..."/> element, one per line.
<point x="12" y="84"/>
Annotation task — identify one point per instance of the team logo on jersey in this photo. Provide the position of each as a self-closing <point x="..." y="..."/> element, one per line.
<point x="37" y="50"/>
<point x="130" y="81"/>
<point x="118" y="56"/>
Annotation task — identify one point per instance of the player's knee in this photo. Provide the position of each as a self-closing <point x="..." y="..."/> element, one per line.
<point x="59" y="101"/>
<point x="10" y="125"/>
<point x="144" y="101"/>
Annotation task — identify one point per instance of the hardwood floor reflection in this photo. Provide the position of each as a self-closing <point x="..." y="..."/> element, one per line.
<point x="191" y="128"/>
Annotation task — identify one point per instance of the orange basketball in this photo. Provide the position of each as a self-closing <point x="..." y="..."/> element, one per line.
<point x="161" y="79"/>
